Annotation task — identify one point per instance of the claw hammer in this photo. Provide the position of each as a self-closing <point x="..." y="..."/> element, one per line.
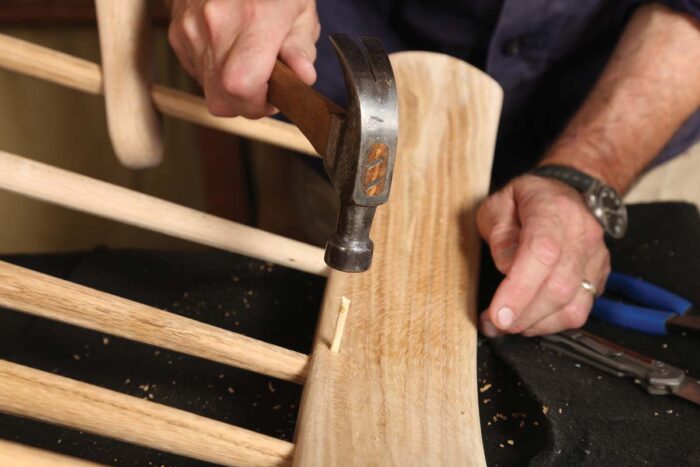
<point x="358" y="144"/>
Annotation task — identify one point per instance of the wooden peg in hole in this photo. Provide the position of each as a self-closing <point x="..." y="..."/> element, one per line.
<point x="340" y="324"/>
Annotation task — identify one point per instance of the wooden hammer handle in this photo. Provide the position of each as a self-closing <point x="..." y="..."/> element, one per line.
<point x="312" y="112"/>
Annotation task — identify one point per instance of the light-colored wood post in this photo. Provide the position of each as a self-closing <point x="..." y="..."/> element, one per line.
<point x="17" y="455"/>
<point x="48" y="297"/>
<point x="126" y="47"/>
<point x="71" y="190"/>
<point x="57" y="67"/>
<point x="403" y="391"/>
<point x="39" y="395"/>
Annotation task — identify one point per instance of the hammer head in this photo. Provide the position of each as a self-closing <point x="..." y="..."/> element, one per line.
<point x="361" y="162"/>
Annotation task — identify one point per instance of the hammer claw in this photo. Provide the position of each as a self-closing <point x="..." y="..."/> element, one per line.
<point x="379" y="62"/>
<point x="362" y="165"/>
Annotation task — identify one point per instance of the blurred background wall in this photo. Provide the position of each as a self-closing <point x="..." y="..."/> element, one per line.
<point x="67" y="129"/>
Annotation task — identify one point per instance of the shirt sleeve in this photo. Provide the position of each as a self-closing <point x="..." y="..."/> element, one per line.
<point x="690" y="7"/>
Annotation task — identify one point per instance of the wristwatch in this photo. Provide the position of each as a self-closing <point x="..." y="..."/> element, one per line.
<point x="602" y="200"/>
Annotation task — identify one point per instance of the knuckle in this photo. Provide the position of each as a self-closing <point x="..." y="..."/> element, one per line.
<point x="239" y="85"/>
<point x="214" y="14"/>
<point x="520" y="289"/>
<point x="189" y="27"/>
<point x="574" y="316"/>
<point x="503" y="232"/>
<point x="249" y="11"/>
<point x="545" y="250"/>
<point x="561" y="290"/>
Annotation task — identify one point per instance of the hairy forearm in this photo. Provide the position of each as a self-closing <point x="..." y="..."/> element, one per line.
<point x="650" y="86"/>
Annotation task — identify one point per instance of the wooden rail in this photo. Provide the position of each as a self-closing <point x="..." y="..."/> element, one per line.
<point x="39" y="395"/>
<point x="60" y="68"/>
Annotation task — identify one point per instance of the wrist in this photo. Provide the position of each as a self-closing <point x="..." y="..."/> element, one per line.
<point x="602" y="200"/>
<point x="592" y="159"/>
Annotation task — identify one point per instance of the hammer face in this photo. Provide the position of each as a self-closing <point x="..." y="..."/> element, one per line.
<point x="362" y="162"/>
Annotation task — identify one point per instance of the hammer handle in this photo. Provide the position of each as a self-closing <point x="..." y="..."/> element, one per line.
<point x="312" y="112"/>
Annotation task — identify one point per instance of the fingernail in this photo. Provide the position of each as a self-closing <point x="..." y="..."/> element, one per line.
<point x="505" y="317"/>
<point x="488" y="329"/>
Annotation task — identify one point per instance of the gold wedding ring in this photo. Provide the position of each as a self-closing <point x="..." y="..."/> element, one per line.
<point x="588" y="286"/>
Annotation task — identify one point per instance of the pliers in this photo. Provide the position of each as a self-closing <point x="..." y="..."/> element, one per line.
<point x="655" y="311"/>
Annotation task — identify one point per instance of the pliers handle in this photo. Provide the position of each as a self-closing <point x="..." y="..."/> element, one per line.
<point x="655" y="306"/>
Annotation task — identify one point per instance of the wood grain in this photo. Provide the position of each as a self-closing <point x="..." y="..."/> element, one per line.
<point x="126" y="48"/>
<point x="403" y="390"/>
<point x="57" y="67"/>
<point x="48" y="297"/>
<point x="57" y="186"/>
<point x="39" y="395"/>
<point x="17" y="455"/>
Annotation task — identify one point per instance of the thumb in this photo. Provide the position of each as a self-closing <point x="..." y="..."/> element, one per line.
<point x="498" y="224"/>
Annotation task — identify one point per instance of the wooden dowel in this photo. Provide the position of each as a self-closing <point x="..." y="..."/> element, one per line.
<point x="39" y="395"/>
<point x="71" y="190"/>
<point x="60" y="68"/>
<point x="42" y="295"/>
<point x="18" y="455"/>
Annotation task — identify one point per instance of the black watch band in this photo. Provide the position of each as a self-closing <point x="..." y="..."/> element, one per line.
<point x="580" y="181"/>
<point x="603" y="202"/>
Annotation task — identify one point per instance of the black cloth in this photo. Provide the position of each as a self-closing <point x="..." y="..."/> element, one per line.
<point x="603" y="420"/>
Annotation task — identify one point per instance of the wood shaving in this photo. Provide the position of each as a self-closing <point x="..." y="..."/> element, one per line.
<point x="485" y="388"/>
<point x="545" y="409"/>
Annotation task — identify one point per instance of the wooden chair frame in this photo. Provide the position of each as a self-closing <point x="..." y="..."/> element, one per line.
<point x="403" y="388"/>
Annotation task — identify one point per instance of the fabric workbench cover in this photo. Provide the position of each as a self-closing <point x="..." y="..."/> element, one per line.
<point x="537" y="407"/>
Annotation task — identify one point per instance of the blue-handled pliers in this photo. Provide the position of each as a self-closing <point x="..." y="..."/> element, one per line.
<point x="655" y="310"/>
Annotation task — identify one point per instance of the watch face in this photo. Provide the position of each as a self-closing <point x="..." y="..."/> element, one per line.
<point x="608" y="208"/>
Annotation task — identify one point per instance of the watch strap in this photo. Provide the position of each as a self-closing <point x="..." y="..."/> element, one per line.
<point x="580" y="181"/>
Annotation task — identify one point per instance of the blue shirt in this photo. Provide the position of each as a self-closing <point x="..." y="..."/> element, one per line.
<point x="546" y="54"/>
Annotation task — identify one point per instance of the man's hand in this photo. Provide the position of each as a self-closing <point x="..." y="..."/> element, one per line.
<point x="545" y="241"/>
<point x="230" y="47"/>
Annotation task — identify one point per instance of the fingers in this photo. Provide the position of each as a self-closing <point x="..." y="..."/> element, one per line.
<point x="558" y="289"/>
<point x="248" y="67"/>
<point x="299" y="47"/>
<point x="575" y="313"/>
<point x="543" y="233"/>
<point x="572" y="316"/>
<point x="499" y="226"/>
<point x="230" y="47"/>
